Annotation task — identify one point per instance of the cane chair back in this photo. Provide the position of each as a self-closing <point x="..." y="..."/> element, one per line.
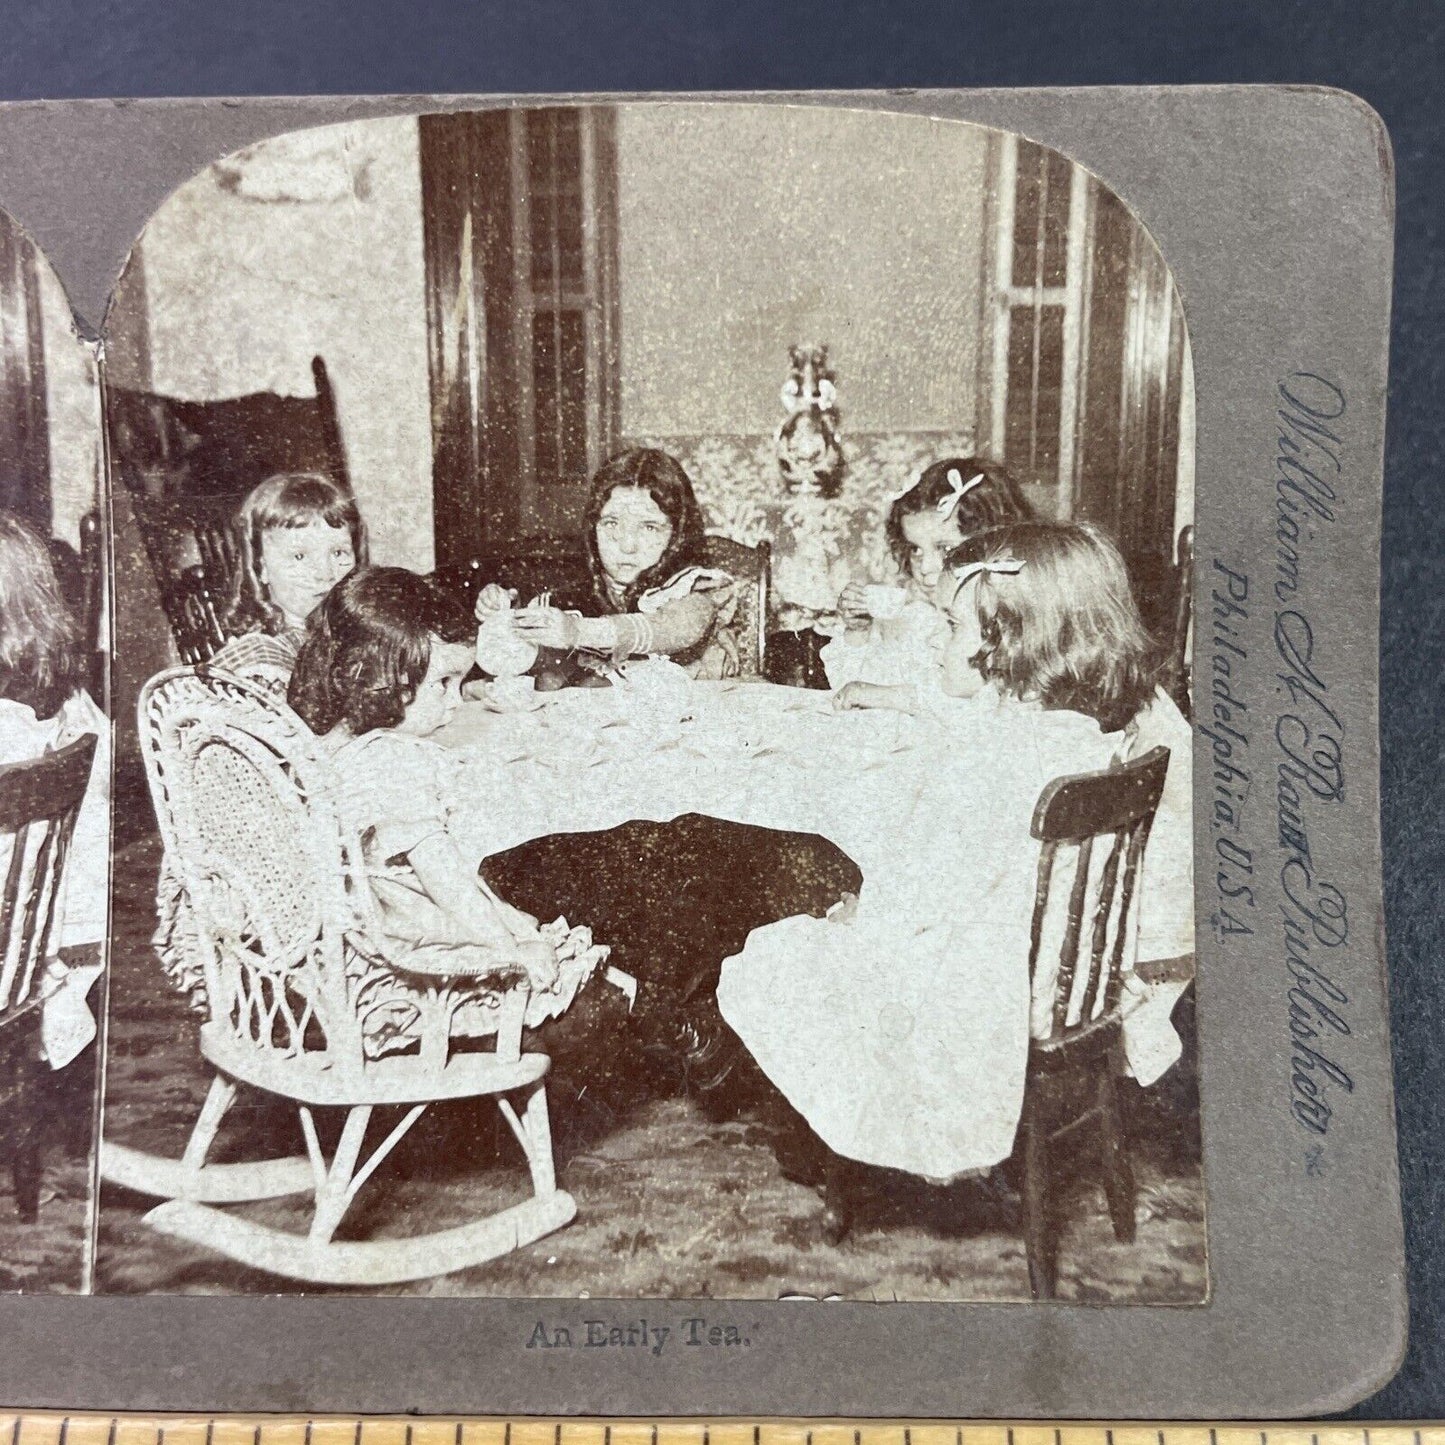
<point x="244" y="802"/>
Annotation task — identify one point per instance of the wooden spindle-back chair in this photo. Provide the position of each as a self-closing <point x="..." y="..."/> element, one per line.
<point x="1092" y="829"/>
<point x="39" y="802"/>
<point x="186" y="466"/>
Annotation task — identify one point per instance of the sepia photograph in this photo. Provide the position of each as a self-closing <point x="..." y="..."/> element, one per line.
<point x="54" y="776"/>
<point x="652" y="717"/>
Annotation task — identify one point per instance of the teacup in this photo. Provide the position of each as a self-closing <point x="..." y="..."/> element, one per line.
<point x="512" y="693"/>
<point x="884" y="601"/>
<point x="500" y="651"/>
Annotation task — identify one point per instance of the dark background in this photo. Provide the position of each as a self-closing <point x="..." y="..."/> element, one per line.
<point x="1392" y="54"/>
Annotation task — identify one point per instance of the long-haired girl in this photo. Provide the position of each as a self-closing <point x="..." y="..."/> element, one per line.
<point x="926" y="984"/>
<point x="647" y="591"/>
<point x="890" y="632"/>
<point x="298" y="534"/>
<point x="44" y="707"/>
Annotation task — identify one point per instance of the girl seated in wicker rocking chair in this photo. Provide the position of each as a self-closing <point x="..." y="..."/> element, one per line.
<point x="380" y="672"/>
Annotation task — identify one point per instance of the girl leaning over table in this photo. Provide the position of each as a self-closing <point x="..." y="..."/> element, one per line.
<point x="646" y="591"/>
<point x="895" y="1033"/>
<point x="379" y="674"/>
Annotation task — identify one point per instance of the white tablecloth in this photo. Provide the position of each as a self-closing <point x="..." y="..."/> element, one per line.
<point x="776" y="757"/>
<point x="901" y="1034"/>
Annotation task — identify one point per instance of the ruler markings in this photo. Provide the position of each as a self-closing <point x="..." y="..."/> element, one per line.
<point x="54" y="1428"/>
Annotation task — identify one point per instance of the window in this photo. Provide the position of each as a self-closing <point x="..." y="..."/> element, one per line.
<point x="520" y="216"/>
<point x="1041" y="218"/>
<point x="1084" y="378"/>
<point x="568" y="404"/>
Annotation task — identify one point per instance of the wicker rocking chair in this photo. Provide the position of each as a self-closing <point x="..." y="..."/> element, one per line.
<point x="287" y="930"/>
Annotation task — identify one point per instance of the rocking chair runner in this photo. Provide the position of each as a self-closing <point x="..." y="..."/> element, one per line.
<point x="288" y="928"/>
<point x="1093" y="829"/>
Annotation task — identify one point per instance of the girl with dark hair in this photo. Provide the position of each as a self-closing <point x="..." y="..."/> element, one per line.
<point x="298" y="534"/>
<point x="648" y="592"/>
<point x="981" y="495"/>
<point x="43" y="708"/>
<point x="380" y="673"/>
<point x="891" y="632"/>
<point x="1042" y="614"/>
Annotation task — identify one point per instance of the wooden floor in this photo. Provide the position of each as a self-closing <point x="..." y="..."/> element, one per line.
<point x="671" y="1202"/>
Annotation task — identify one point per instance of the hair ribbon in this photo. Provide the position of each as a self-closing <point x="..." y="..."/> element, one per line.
<point x="958" y="490"/>
<point x="1005" y="566"/>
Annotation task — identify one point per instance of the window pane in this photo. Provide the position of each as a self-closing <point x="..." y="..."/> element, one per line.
<point x="554" y="144"/>
<point x="539" y="147"/>
<point x="544" y="397"/>
<point x="572" y="404"/>
<point x="1027" y="186"/>
<point x="543" y="223"/>
<point x="559" y="395"/>
<point x="1041" y="217"/>
<point x="556" y="234"/>
<point x="569" y="239"/>
<point x="1058" y="174"/>
<point x="1035" y="392"/>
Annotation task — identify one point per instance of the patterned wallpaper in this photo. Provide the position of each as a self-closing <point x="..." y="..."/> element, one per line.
<point x="818" y="546"/>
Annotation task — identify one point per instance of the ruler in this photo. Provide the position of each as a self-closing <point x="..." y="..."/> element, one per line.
<point x="61" y="1429"/>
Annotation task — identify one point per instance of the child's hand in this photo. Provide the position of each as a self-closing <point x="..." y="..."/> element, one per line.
<point x="475" y="690"/>
<point x="546" y="627"/>
<point x="852" y="606"/>
<point x="539" y="959"/>
<point x="856" y="696"/>
<point x="492" y="599"/>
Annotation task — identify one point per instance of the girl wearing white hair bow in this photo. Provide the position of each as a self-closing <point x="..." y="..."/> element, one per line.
<point x="874" y="1023"/>
<point x="893" y="631"/>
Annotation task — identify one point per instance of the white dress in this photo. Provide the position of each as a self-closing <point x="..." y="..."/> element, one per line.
<point x="394" y="792"/>
<point x="67" y="1024"/>
<point x="1166" y="894"/>
<point x="902" y="1034"/>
